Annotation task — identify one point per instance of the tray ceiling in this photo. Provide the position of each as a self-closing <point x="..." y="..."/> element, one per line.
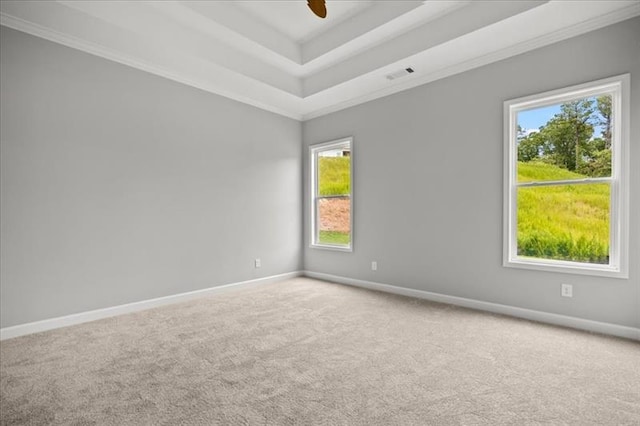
<point x="278" y="56"/>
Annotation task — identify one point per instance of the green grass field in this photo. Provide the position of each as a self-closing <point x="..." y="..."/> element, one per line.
<point x="333" y="175"/>
<point x="333" y="237"/>
<point x="334" y="179"/>
<point x="567" y="222"/>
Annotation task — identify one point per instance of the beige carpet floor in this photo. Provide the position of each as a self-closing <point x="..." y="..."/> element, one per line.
<point x="310" y="352"/>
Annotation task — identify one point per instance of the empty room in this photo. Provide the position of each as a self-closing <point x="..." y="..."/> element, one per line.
<point x="320" y="212"/>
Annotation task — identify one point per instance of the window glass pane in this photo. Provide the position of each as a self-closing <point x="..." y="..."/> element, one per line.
<point x="569" y="140"/>
<point x="334" y="195"/>
<point x="334" y="220"/>
<point x="334" y="168"/>
<point x="564" y="222"/>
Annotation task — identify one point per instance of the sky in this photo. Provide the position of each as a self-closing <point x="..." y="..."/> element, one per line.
<point x="532" y="119"/>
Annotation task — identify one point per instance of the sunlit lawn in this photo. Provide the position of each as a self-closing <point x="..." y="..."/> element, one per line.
<point x="567" y="222"/>
<point x="333" y="237"/>
<point x="333" y="175"/>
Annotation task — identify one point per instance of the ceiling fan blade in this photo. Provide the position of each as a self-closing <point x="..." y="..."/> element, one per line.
<point x="318" y="7"/>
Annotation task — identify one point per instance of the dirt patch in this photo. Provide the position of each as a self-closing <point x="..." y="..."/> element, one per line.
<point x="335" y="214"/>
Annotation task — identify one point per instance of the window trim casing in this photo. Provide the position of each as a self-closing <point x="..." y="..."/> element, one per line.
<point x="618" y="266"/>
<point x="313" y="172"/>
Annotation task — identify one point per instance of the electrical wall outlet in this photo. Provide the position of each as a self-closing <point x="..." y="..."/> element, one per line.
<point x="258" y="263"/>
<point x="567" y="290"/>
<point x="374" y="266"/>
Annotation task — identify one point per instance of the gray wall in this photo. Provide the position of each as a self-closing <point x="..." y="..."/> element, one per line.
<point x="119" y="186"/>
<point x="428" y="182"/>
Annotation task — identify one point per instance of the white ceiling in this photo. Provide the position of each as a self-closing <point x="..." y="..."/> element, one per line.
<point x="294" y="19"/>
<point x="278" y="56"/>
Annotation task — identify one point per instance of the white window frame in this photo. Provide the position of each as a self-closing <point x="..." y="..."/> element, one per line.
<point x="313" y="167"/>
<point x="618" y="267"/>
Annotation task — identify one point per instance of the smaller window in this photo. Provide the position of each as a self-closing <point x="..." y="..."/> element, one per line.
<point x="331" y="197"/>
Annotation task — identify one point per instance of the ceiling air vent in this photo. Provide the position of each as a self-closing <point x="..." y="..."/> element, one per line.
<point x="399" y="74"/>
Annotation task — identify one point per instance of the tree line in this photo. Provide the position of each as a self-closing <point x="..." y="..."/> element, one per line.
<point x="567" y="140"/>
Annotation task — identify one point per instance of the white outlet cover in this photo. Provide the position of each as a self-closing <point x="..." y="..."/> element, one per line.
<point x="567" y="290"/>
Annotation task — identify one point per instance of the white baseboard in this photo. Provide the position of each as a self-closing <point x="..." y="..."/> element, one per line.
<point x="50" y="324"/>
<point x="546" y="317"/>
<point x="82" y="317"/>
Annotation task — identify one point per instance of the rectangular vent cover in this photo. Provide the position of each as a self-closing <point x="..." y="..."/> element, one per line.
<point x="401" y="73"/>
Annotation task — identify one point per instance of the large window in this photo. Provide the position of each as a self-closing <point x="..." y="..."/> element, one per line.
<point x="566" y="185"/>
<point x="331" y="186"/>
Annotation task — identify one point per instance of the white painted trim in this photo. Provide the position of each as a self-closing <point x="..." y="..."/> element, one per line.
<point x="500" y="54"/>
<point x="530" y="314"/>
<point x="313" y="167"/>
<point x="353" y="91"/>
<point x="546" y="317"/>
<point x="143" y="65"/>
<point x="618" y="88"/>
<point x="321" y="53"/>
<point x="82" y="317"/>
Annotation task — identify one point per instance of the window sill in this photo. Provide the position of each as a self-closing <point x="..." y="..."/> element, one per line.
<point x="567" y="267"/>
<point x="331" y="248"/>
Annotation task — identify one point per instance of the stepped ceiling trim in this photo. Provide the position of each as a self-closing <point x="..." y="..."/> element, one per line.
<point x="279" y="57"/>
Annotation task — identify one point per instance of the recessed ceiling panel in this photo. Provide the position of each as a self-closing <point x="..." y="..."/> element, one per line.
<point x="295" y="20"/>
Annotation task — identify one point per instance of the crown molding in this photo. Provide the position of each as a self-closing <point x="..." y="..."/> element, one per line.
<point x="498" y="55"/>
<point x="115" y="56"/>
<point x="364" y="88"/>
